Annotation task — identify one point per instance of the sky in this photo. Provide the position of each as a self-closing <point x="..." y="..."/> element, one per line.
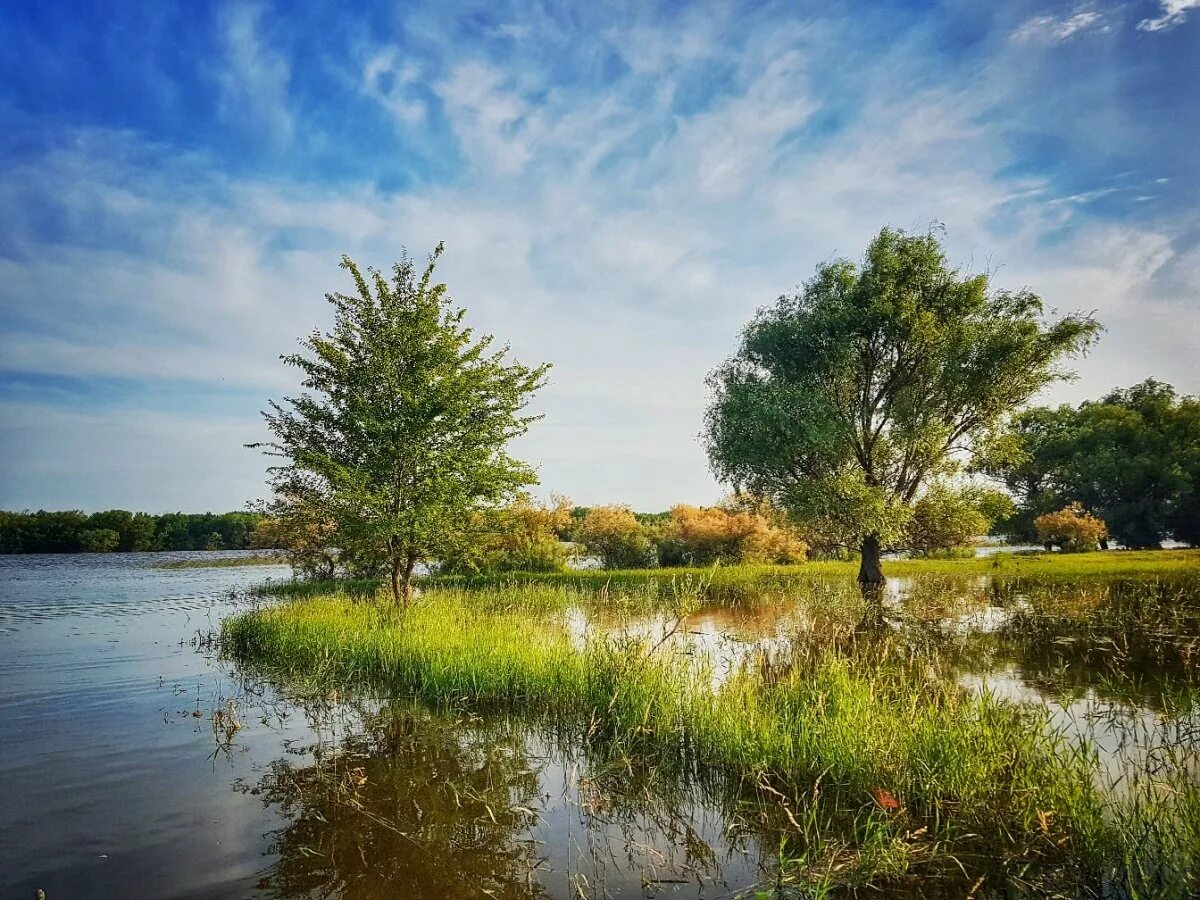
<point x="619" y="187"/>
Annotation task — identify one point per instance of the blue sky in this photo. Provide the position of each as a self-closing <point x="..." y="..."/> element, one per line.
<point x="619" y="186"/>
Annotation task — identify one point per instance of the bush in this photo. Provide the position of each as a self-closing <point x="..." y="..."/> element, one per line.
<point x="695" y="535"/>
<point x="1071" y="529"/>
<point x="522" y="537"/>
<point x="944" y="518"/>
<point x="614" y="534"/>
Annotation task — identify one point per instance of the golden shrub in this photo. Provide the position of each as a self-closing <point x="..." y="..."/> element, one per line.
<point x="1072" y="528"/>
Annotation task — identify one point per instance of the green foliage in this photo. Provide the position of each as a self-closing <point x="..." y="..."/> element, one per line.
<point x="72" y="531"/>
<point x="844" y="399"/>
<point x="945" y="518"/>
<point x="401" y="435"/>
<point x="99" y="540"/>
<point x="520" y="537"/>
<point x="1133" y="457"/>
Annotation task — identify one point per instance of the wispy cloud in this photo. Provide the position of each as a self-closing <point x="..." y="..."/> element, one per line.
<point x="389" y="79"/>
<point x="620" y="203"/>
<point x="255" y="76"/>
<point x="1052" y="29"/>
<point x="1173" y="12"/>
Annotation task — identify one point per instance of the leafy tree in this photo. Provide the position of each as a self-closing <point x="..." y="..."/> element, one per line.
<point x="1132" y="456"/>
<point x="65" y="531"/>
<point x="1072" y="529"/>
<point x="847" y="397"/>
<point x="401" y="435"/>
<point x="99" y="540"/>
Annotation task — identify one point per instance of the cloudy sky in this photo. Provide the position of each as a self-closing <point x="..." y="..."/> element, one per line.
<point x="618" y="187"/>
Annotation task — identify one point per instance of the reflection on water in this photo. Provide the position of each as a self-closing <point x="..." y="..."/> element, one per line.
<point x="136" y="764"/>
<point x="412" y="803"/>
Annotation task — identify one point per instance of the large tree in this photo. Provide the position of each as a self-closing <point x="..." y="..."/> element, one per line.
<point x="849" y="396"/>
<point x="1132" y="458"/>
<point x="402" y="432"/>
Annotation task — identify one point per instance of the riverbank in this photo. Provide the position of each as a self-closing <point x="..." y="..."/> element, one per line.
<point x="872" y="762"/>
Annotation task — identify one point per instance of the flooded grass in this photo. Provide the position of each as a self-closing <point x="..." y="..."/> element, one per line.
<point x="855" y="749"/>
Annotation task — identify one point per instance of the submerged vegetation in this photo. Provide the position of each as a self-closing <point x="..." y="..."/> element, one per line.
<point x="870" y="761"/>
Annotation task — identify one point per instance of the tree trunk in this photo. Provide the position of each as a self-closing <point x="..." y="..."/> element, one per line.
<point x="870" y="571"/>
<point x="396" y="580"/>
<point x="410" y="562"/>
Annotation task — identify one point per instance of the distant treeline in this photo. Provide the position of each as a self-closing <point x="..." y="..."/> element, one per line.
<point x="118" y="530"/>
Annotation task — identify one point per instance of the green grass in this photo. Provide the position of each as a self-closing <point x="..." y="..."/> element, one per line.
<point x="224" y="562"/>
<point x="982" y="777"/>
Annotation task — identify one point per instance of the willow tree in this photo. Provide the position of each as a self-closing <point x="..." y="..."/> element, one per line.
<point x="846" y="398"/>
<point x="403" y="428"/>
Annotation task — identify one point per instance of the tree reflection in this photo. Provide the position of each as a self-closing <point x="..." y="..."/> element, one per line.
<point x="412" y="805"/>
<point x="417" y="803"/>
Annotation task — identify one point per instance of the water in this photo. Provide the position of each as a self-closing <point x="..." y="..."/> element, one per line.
<point x="137" y="764"/>
<point x="118" y="777"/>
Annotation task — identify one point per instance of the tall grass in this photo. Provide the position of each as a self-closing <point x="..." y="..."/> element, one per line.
<point x="871" y="734"/>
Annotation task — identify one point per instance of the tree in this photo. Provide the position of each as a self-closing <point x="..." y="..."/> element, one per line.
<point x="846" y="397"/>
<point x="1133" y="456"/>
<point x="99" y="540"/>
<point x="401" y="434"/>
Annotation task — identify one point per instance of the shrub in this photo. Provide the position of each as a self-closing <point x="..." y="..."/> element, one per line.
<point x="521" y="537"/>
<point x="614" y="534"/>
<point x="696" y="535"/>
<point x="944" y="518"/>
<point x="1072" y="529"/>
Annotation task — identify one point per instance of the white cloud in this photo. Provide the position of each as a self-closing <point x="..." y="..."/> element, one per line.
<point x="1174" y="12"/>
<point x="1052" y="29"/>
<point x="389" y="80"/>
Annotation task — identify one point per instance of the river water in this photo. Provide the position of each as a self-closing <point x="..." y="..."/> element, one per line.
<point x="118" y="777"/>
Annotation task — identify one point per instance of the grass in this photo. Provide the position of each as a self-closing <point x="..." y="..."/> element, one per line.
<point x="224" y="562"/>
<point x="873" y="762"/>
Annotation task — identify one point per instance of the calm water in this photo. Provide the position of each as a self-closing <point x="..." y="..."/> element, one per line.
<point x="119" y="778"/>
<point x="137" y="764"/>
